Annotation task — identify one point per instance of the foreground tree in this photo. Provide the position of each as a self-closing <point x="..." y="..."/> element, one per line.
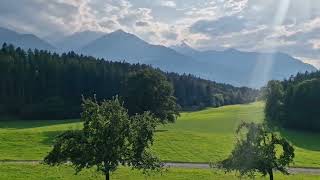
<point x="258" y="150"/>
<point x="149" y="90"/>
<point x="108" y="139"/>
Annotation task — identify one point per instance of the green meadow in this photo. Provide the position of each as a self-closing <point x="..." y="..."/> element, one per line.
<point x="202" y="136"/>
<point x="37" y="171"/>
<point x="208" y="136"/>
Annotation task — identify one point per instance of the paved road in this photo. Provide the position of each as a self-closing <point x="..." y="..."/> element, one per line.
<point x="293" y="170"/>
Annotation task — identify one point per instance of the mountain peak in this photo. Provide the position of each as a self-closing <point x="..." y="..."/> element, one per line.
<point x="87" y="32"/>
<point x="119" y="32"/>
<point x="185" y="48"/>
<point x="120" y="35"/>
<point x="185" y="44"/>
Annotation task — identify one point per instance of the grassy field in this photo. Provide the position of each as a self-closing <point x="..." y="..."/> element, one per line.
<point x="201" y="136"/>
<point x="36" y="171"/>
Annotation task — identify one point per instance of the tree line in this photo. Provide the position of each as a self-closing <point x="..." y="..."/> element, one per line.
<point x="294" y="103"/>
<point x="38" y="84"/>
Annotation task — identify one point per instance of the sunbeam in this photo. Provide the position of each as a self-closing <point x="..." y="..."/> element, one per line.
<point x="263" y="68"/>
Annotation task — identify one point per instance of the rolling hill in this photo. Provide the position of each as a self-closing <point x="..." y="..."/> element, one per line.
<point x="199" y="136"/>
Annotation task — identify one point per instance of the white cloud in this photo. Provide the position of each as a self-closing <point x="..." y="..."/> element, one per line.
<point x="314" y="62"/>
<point x="206" y="24"/>
<point x="171" y="4"/>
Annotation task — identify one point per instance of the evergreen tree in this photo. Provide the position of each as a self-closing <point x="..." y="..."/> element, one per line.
<point x="37" y="84"/>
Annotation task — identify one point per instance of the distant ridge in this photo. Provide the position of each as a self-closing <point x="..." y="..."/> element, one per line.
<point x="251" y="69"/>
<point x="120" y="45"/>
<point x="77" y="40"/>
<point x="230" y="66"/>
<point x="24" y="41"/>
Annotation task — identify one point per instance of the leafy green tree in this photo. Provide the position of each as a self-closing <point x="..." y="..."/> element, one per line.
<point x="108" y="139"/>
<point x="302" y="106"/>
<point x="150" y="91"/>
<point x="258" y="150"/>
<point x="274" y="101"/>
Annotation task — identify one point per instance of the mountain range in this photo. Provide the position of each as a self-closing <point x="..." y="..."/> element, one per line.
<point x="24" y="41"/>
<point x="251" y="69"/>
<point x="231" y="66"/>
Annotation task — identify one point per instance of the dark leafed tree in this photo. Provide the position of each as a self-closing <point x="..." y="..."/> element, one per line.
<point x="108" y="139"/>
<point x="274" y="95"/>
<point x="150" y="91"/>
<point x="302" y="106"/>
<point x="294" y="103"/>
<point x="258" y="150"/>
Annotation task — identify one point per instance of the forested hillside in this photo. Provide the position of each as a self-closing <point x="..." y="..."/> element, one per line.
<point x="238" y="68"/>
<point x="42" y="85"/>
<point x="295" y="103"/>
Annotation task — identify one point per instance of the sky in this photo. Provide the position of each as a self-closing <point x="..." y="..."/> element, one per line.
<point x="290" y="26"/>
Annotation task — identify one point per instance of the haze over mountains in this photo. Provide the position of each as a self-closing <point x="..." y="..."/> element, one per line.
<point x="229" y="66"/>
<point x="24" y="41"/>
<point x="247" y="68"/>
<point x="77" y="40"/>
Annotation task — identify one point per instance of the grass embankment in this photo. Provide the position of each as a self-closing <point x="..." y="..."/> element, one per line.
<point x="201" y="136"/>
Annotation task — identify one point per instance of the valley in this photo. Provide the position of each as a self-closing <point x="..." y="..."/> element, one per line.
<point x="201" y="136"/>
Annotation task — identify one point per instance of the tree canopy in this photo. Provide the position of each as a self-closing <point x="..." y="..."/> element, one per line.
<point x="274" y="101"/>
<point x="150" y="91"/>
<point x="258" y="150"/>
<point x="294" y="103"/>
<point x="109" y="138"/>
<point x="302" y="106"/>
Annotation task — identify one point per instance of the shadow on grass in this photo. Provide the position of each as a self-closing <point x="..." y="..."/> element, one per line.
<point x="50" y="136"/>
<point x="301" y="139"/>
<point x="26" y="124"/>
<point x="161" y="130"/>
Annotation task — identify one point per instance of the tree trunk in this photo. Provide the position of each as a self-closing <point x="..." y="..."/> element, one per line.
<point x="108" y="175"/>
<point x="271" y="174"/>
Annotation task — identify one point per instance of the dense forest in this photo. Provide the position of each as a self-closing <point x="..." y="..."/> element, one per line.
<point x="295" y="102"/>
<point x="37" y="84"/>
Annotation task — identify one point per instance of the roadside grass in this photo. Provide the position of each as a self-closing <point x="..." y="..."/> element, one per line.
<point x="202" y="136"/>
<point x="37" y="171"/>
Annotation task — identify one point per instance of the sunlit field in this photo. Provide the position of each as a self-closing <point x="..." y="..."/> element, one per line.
<point x="37" y="171"/>
<point x="203" y="136"/>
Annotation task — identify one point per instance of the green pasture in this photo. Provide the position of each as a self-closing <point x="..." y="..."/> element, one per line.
<point x="202" y="136"/>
